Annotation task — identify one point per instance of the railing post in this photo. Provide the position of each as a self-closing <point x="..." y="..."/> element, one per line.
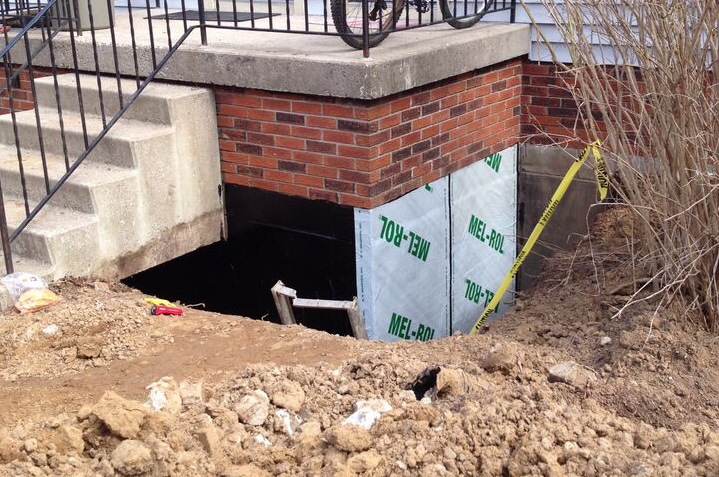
<point x="74" y="9"/>
<point x="5" y="237"/>
<point x="512" y="12"/>
<point x="203" y="27"/>
<point x="365" y="28"/>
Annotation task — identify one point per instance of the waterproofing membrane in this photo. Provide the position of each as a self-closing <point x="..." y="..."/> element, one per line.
<point x="484" y="236"/>
<point x="428" y="262"/>
<point x="402" y="265"/>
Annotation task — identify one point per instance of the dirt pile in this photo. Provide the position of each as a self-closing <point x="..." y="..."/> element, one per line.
<point x="91" y="328"/>
<point x="568" y="383"/>
<point x="276" y="420"/>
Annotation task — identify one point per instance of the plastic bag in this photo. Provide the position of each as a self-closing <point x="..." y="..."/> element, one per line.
<point x="34" y="299"/>
<point x="29" y="292"/>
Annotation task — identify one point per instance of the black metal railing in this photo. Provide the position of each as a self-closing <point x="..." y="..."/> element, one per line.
<point x="81" y="37"/>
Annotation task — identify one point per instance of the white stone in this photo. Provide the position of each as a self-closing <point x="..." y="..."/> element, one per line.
<point x="253" y="408"/>
<point x="367" y="412"/>
<point x="572" y="373"/>
<point x="288" y="423"/>
<point x="164" y="395"/>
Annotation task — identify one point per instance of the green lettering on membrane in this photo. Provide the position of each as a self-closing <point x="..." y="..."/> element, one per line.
<point x="403" y="327"/>
<point x="418" y="246"/>
<point x="423" y="250"/>
<point x="494" y="161"/>
<point x="473" y="292"/>
<point x="384" y="226"/>
<point x="475" y="226"/>
<point x="413" y="241"/>
<point x="496" y="241"/>
<point x="399" y="234"/>
<point x="394" y="324"/>
<point x="420" y="332"/>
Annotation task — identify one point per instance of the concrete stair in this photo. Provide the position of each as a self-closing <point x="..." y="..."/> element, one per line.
<point x="148" y="193"/>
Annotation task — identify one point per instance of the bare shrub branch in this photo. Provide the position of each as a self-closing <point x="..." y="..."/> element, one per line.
<point x="644" y="74"/>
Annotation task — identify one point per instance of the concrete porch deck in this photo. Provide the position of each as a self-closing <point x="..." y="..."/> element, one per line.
<point x="298" y="62"/>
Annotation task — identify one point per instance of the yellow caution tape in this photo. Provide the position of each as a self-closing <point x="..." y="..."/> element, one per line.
<point x="600" y="171"/>
<point x="603" y="184"/>
<point x="159" y="302"/>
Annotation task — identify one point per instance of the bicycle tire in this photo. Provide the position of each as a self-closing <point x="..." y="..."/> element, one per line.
<point x="464" y="13"/>
<point x="347" y="17"/>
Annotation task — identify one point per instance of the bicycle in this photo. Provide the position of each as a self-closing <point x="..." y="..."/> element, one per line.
<point x="384" y="15"/>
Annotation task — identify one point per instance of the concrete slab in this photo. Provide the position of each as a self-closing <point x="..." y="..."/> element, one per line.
<point x="301" y="62"/>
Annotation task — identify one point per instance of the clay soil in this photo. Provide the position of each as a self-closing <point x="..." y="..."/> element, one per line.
<point x="238" y="397"/>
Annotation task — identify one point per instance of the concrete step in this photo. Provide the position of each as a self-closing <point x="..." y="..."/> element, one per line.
<point x="147" y="194"/>
<point x="80" y="190"/>
<point x="24" y="264"/>
<point x="153" y="104"/>
<point x="120" y="146"/>
<point x="60" y="239"/>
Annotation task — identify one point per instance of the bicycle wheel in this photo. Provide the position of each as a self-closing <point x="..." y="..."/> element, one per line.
<point x="347" y="17"/>
<point x="464" y="13"/>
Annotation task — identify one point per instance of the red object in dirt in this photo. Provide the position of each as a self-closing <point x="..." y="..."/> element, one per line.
<point x="165" y="310"/>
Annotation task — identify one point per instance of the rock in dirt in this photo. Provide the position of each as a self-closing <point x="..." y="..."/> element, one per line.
<point x="367" y="412"/>
<point x="456" y="381"/>
<point x="164" y="395"/>
<point x="191" y="395"/>
<point x="286" y="422"/>
<point x="364" y="461"/>
<point x="90" y="347"/>
<point x="30" y="445"/>
<point x="572" y="373"/>
<point x="131" y="457"/>
<point x="248" y="470"/>
<point x="209" y="437"/>
<point x="121" y="416"/>
<point x="287" y="394"/>
<point x="9" y="447"/>
<point x="253" y="408"/>
<point x="66" y="439"/>
<point x="501" y="358"/>
<point x="348" y="437"/>
<point x="311" y="429"/>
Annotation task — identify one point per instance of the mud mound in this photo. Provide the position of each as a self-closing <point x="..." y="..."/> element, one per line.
<point x="570" y="382"/>
<point x="274" y="420"/>
<point x="92" y="326"/>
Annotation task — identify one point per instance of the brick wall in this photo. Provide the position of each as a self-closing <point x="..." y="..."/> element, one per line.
<point x="21" y="92"/>
<point x="549" y="113"/>
<point x="366" y="153"/>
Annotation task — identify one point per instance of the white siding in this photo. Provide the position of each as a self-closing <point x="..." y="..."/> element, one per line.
<point x="538" y="51"/>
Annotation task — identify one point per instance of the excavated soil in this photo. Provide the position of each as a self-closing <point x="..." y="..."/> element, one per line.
<point x="570" y="382"/>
